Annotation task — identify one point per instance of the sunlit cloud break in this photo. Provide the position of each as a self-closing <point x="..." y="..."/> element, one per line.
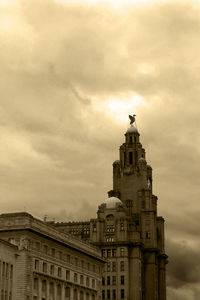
<point x="119" y="108"/>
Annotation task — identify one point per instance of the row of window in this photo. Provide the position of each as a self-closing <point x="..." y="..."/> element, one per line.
<point x="66" y="257"/>
<point x="112" y="295"/>
<point x="53" y="287"/>
<point x="112" y="252"/>
<point x="111" y="266"/>
<point x="6" y="295"/>
<point x="60" y="272"/>
<point x="112" y="280"/>
<point x="6" y="270"/>
<point x="78" y="231"/>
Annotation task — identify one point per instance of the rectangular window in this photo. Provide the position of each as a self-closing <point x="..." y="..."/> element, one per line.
<point x="103" y="294"/>
<point x="45" y="248"/>
<point x="122" y="279"/>
<point x="121" y="251"/>
<point x="67" y="292"/>
<point x="124" y="158"/>
<point x="35" y="284"/>
<point x="108" y="267"/>
<point x="114" y="280"/>
<point x="75" y="277"/>
<point x="53" y="252"/>
<point x="103" y="253"/>
<point x="113" y="266"/>
<point x="52" y="270"/>
<point x="81" y="279"/>
<point x="121" y="266"/>
<point x="114" y="294"/>
<point x="44" y="267"/>
<point x="94" y="228"/>
<point x="67" y="274"/>
<point x="93" y="283"/>
<point x="59" y="272"/>
<point x="130" y="158"/>
<point x="108" y="280"/>
<point x="109" y="253"/>
<point x="103" y="281"/>
<point x="11" y="272"/>
<point x="44" y="285"/>
<point x="36" y="264"/>
<point x="148" y="235"/>
<point x="114" y="252"/>
<point x="87" y="281"/>
<point x="108" y="294"/>
<point x="122" y="294"/>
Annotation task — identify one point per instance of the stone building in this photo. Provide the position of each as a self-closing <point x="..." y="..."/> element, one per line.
<point x="128" y="230"/>
<point x="8" y="276"/>
<point x="41" y="263"/>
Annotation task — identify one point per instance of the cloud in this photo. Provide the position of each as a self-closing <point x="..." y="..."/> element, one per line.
<point x="61" y="63"/>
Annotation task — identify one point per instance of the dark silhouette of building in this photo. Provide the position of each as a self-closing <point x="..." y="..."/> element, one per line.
<point x="128" y="230"/>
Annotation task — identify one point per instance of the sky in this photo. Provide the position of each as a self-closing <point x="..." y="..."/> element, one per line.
<point x="71" y="73"/>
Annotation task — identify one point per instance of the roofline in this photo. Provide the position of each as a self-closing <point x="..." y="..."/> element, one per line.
<point x="25" y="221"/>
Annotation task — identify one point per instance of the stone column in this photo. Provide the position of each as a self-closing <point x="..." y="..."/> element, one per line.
<point x="55" y="290"/>
<point x="135" y="273"/>
<point x="162" y="277"/>
<point x="71" y="293"/>
<point x="151" y="276"/>
<point x="39" y="288"/>
<point x="47" y="289"/>
<point x="63" y="292"/>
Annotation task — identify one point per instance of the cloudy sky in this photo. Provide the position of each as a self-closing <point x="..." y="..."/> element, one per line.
<point x="71" y="72"/>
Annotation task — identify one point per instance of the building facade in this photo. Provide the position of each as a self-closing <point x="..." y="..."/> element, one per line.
<point x="128" y="230"/>
<point x="8" y="276"/>
<point x="38" y="262"/>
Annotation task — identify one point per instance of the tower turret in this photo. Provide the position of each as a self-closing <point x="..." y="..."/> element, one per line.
<point x="132" y="174"/>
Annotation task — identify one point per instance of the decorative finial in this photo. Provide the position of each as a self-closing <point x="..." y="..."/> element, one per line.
<point x="132" y="119"/>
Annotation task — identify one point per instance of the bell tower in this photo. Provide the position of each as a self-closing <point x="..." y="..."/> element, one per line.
<point x="132" y="176"/>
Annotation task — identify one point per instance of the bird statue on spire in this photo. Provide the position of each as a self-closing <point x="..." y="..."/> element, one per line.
<point x="132" y="119"/>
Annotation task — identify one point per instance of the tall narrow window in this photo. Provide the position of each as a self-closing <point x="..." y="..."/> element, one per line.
<point x="122" y="266"/>
<point x="122" y="294"/>
<point x="113" y="252"/>
<point x="36" y="264"/>
<point x="131" y="139"/>
<point x="114" y="280"/>
<point x="122" y="279"/>
<point x="103" y="281"/>
<point x="52" y="270"/>
<point x="67" y="274"/>
<point x="108" y="280"/>
<point x="67" y="292"/>
<point x="114" y="294"/>
<point x="130" y="158"/>
<point x="108" y="267"/>
<point x="44" y="267"/>
<point x="121" y="251"/>
<point x="124" y="158"/>
<point x="113" y="266"/>
<point x="103" y="294"/>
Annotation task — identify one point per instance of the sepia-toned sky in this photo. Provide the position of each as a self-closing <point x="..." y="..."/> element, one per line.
<point x="71" y="72"/>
